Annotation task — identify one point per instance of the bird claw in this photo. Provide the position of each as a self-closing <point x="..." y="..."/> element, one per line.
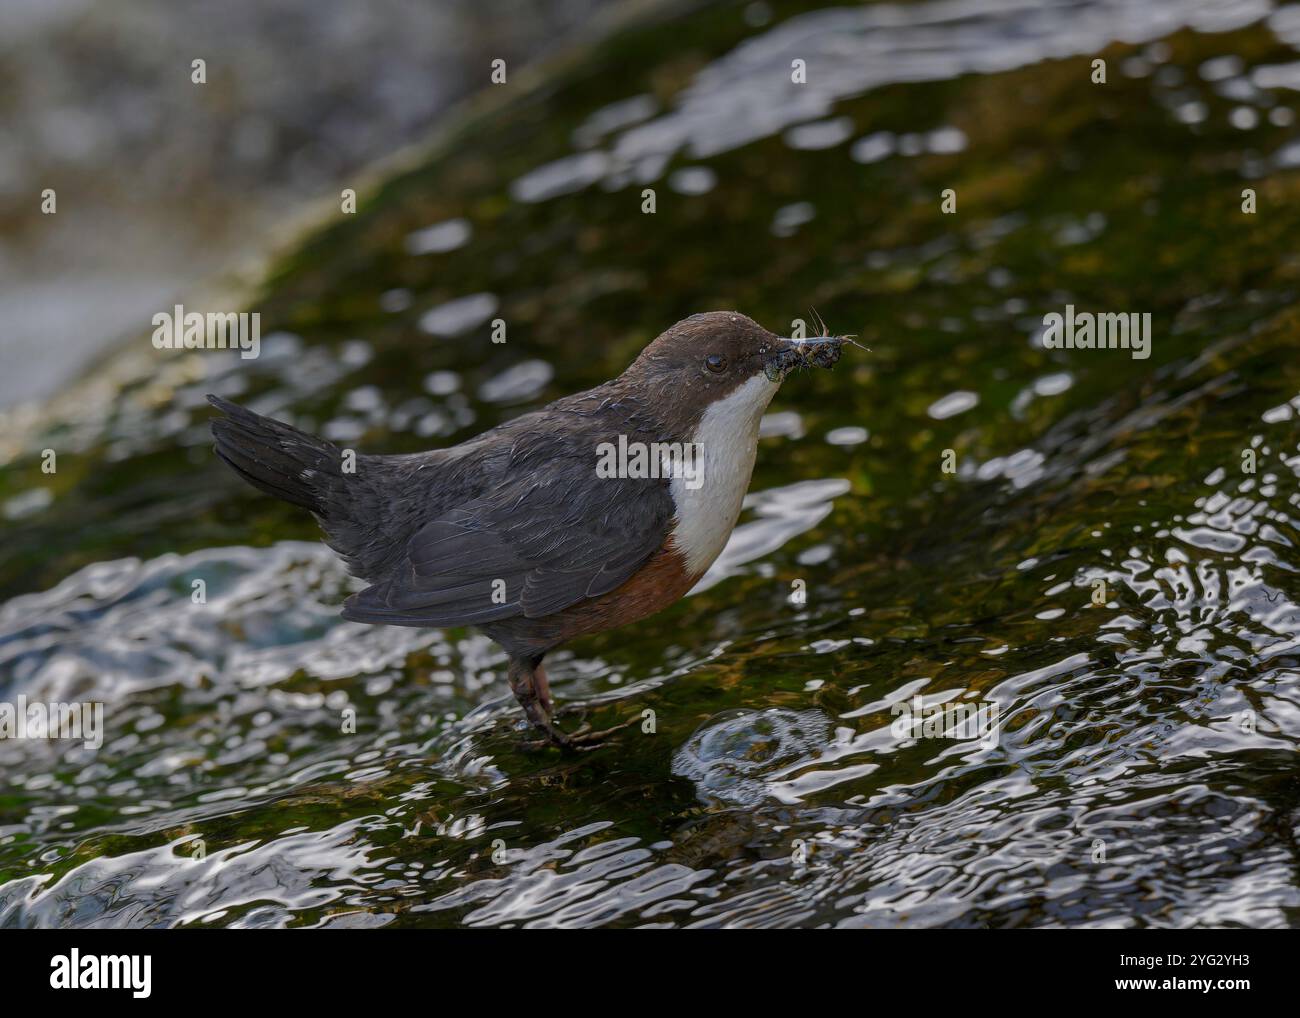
<point x="583" y="740"/>
<point x="532" y="689"/>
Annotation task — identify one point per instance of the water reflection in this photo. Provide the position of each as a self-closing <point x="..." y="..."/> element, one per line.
<point x="1111" y="563"/>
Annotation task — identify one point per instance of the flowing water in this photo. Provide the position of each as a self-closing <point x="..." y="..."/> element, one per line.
<point x="1099" y="548"/>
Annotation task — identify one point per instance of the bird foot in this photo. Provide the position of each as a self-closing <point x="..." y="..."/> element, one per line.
<point x="531" y="688"/>
<point x="583" y="740"/>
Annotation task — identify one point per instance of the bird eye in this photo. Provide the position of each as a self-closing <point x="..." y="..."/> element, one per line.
<point x="715" y="362"/>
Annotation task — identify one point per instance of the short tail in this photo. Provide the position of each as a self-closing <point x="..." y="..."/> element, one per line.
<point x="279" y="460"/>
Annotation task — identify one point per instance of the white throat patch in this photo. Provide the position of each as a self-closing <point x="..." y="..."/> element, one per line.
<point x="728" y="438"/>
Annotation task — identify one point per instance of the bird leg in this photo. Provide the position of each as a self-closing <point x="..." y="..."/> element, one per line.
<point x="543" y="686"/>
<point x="532" y="689"/>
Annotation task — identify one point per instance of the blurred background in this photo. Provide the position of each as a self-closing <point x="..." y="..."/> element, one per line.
<point x="163" y="185"/>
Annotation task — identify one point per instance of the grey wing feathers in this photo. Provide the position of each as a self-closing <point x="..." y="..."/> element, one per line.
<point x="541" y="542"/>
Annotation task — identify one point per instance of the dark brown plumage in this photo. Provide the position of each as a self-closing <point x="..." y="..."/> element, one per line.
<point x="514" y="531"/>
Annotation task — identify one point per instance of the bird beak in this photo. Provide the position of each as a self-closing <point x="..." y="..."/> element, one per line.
<point x="815" y="351"/>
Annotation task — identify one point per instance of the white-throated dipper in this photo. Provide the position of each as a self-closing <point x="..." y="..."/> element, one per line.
<point x="524" y="531"/>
